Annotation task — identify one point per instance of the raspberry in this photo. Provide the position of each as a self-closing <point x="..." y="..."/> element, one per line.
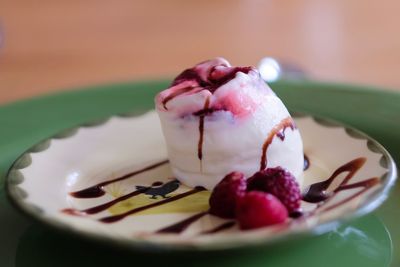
<point x="280" y="183"/>
<point x="223" y="197"/>
<point x="258" y="209"/>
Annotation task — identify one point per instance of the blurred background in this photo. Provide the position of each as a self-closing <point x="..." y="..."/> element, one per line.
<point x="47" y="45"/>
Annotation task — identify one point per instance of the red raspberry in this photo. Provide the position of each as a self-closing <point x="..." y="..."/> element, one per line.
<point x="223" y="197"/>
<point x="258" y="209"/>
<point x="280" y="183"/>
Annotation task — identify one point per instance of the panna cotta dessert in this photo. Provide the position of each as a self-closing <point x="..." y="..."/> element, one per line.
<point x="217" y="119"/>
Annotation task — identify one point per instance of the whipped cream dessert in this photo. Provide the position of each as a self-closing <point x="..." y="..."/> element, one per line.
<point x="217" y="119"/>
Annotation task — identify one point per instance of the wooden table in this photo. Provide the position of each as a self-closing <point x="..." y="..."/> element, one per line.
<point x="52" y="45"/>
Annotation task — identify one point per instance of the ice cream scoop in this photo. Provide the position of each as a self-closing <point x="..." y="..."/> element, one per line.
<point x="217" y="119"/>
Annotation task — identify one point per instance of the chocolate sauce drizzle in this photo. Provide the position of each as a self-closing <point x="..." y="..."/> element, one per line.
<point x="181" y="226"/>
<point x="278" y="130"/>
<point x="97" y="190"/>
<point x="104" y="206"/>
<point x="201" y="130"/>
<point x="365" y="185"/>
<point x="317" y="192"/>
<point x="115" y="218"/>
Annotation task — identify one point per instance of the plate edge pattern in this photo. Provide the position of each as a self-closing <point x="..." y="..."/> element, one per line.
<point x="18" y="196"/>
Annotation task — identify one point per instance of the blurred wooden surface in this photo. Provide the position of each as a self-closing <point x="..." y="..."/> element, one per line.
<point x="54" y="45"/>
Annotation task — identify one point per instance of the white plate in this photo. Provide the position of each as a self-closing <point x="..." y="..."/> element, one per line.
<point x="41" y="181"/>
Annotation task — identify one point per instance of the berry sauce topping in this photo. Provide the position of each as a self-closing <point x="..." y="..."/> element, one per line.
<point x="217" y="76"/>
<point x="209" y="75"/>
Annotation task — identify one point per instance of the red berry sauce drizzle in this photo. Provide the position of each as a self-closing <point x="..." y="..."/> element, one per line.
<point x="214" y="80"/>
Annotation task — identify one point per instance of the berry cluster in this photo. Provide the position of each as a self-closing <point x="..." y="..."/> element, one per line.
<point x="266" y="198"/>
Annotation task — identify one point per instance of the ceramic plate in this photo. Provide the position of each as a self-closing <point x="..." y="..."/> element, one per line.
<point x="112" y="181"/>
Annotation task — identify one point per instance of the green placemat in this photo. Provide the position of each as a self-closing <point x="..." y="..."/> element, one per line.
<point x="365" y="242"/>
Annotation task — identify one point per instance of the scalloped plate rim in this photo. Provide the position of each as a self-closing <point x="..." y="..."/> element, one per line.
<point x="365" y="208"/>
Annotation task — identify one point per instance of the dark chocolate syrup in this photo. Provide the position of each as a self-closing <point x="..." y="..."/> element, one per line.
<point x="278" y="130"/>
<point x="322" y="205"/>
<point x="220" y="228"/>
<point x="109" y="204"/>
<point x="317" y="191"/>
<point x="365" y="185"/>
<point x="181" y="226"/>
<point x="201" y="130"/>
<point x="98" y="191"/>
<point x="115" y="218"/>
<point x="206" y="112"/>
<point x="104" y="206"/>
<point x="306" y="163"/>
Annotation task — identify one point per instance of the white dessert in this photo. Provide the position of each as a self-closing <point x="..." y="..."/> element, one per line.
<point x="217" y="119"/>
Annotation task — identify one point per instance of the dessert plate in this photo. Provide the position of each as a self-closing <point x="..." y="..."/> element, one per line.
<point x="111" y="180"/>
